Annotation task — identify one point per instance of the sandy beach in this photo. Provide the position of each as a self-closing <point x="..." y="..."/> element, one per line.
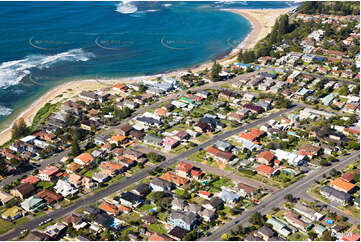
<point x="261" y="20"/>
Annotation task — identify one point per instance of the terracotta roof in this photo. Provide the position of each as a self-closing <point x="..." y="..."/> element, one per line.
<point x="161" y="112"/>
<point x="247" y="188"/>
<point x="204" y="193"/>
<point x="348" y="176"/>
<point x="169" y="176"/>
<point x="124" y="208"/>
<point x="342" y="185"/>
<point x="73" y="166"/>
<point x="267" y="155"/>
<point x="159" y="237"/>
<point x="85" y="157"/>
<point x="49" y="170"/>
<point x="196" y="172"/>
<point x="265" y="169"/>
<point x="48" y="196"/>
<point x="118" y="138"/>
<point x="110" y="208"/>
<point x="212" y="150"/>
<point x="30" y="179"/>
<point x="184" y="166"/>
<point x="111" y="165"/>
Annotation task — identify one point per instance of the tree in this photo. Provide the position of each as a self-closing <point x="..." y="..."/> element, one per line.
<point x="154" y="157"/>
<point x="191" y="236"/>
<point x="256" y="219"/>
<point x="3" y="167"/>
<point x="19" y="129"/>
<point x="289" y="198"/>
<point x="216" y="69"/>
<point x="75" y="148"/>
<point x="327" y="236"/>
<point x="225" y="237"/>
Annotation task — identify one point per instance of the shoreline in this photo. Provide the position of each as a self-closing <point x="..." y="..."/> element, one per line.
<point x="262" y="21"/>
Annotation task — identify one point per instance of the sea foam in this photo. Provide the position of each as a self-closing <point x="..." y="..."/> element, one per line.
<point x="126" y="7"/>
<point x="5" y="111"/>
<point x="12" y="72"/>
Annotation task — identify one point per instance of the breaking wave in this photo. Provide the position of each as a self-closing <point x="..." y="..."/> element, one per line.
<point x="12" y="72"/>
<point x="5" y="111"/>
<point x="126" y="8"/>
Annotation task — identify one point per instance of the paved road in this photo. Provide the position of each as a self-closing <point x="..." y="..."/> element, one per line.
<point x="34" y="223"/>
<point x="350" y="218"/>
<point x="233" y="176"/>
<point x="56" y="158"/>
<point x="276" y="200"/>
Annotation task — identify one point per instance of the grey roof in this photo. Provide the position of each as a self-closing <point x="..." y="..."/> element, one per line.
<point x="335" y="193"/>
<point x="228" y="196"/>
<point x="266" y="231"/>
<point x="188" y="217"/>
<point x="153" y="139"/>
<point x="161" y="182"/>
<point x="207" y="213"/>
<point x="179" y="202"/>
<point x="194" y="208"/>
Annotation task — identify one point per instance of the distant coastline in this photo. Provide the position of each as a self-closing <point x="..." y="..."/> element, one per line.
<point x="261" y="20"/>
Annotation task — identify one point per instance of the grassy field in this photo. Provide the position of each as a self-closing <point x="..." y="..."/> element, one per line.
<point x="5" y="226"/>
<point x="45" y="184"/>
<point x="158" y="227"/>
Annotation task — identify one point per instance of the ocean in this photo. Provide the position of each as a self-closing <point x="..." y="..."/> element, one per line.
<point x="44" y="44"/>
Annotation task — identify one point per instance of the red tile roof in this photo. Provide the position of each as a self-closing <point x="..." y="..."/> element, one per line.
<point x="30" y="179"/>
<point x="182" y="166"/>
<point x="267" y="155"/>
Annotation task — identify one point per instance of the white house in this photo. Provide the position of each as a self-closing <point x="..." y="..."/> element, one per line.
<point x="64" y="188"/>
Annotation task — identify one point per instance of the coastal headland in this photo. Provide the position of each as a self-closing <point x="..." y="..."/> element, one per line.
<point x="262" y="21"/>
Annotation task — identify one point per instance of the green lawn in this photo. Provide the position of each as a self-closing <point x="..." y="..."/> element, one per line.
<point x="5" y="226"/>
<point x="162" y="216"/>
<point x="158" y="227"/>
<point x="196" y="157"/>
<point x="178" y="149"/>
<point x="203" y="138"/>
<point x="179" y="192"/>
<point x="90" y="173"/>
<point x="297" y="237"/>
<point x="39" y="214"/>
<point x="45" y="184"/>
<point x="146" y="207"/>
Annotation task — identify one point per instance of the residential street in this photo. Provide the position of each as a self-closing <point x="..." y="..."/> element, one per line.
<point x="33" y="224"/>
<point x="297" y="190"/>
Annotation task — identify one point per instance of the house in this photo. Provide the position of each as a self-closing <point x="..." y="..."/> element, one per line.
<point x="214" y="203"/>
<point x="184" y="220"/>
<point x="253" y="108"/>
<point x="208" y="215"/>
<point x="65" y="189"/>
<point x="36" y="236"/>
<point x="30" y="179"/>
<point x="279" y="227"/>
<point x="293" y="220"/>
<point x="160" y="185"/>
<point x="349" y="176"/>
<point x="130" y="199"/>
<point x="159" y="237"/>
<point x="223" y="156"/>
<point x="235" y="117"/>
<point x="73" y="167"/>
<point x="75" y="180"/>
<point x="23" y="191"/>
<point x="100" y="177"/>
<point x="13" y="213"/>
<point x="104" y="220"/>
<point x="153" y="140"/>
<point x="110" y="209"/>
<point x="306" y="212"/>
<point x="246" y="190"/>
<point x="204" y="194"/>
<point x="223" y="146"/>
<point x="148" y="220"/>
<point x="170" y="143"/>
<point x="177" y="233"/>
<point x="171" y="177"/>
<point x="265" y="170"/>
<point x="183" y="169"/>
<point x="319" y="229"/>
<point x="254" y="135"/>
<point x="48" y="174"/>
<point x="194" y="208"/>
<point x="49" y="197"/>
<point x="5" y="197"/>
<point x="266" y="157"/>
<point x="336" y="196"/>
<point x="142" y="189"/>
<point x="290" y="158"/>
<point x="133" y="154"/>
<point x="178" y="204"/>
<point x="77" y="222"/>
<point x="308" y="150"/>
<point x="32" y="203"/>
<point x="181" y="135"/>
<point x="110" y="168"/>
<point x="342" y="185"/>
<point x="228" y="95"/>
<point x="84" y="159"/>
<point x="118" y="139"/>
<point x="228" y="196"/>
<point x="55" y="231"/>
<point x="202" y="127"/>
<point x="265" y="233"/>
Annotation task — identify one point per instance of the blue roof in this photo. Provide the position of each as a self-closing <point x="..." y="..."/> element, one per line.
<point x="319" y="58"/>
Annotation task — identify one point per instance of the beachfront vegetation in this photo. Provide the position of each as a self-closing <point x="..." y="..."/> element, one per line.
<point x="216" y="69"/>
<point x="334" y="8"/>
<point x="20" y="129"/>
<point x="43" y="114"/>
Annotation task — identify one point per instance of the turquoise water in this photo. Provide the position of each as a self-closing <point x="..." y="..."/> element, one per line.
<point x="44" y="44"/>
